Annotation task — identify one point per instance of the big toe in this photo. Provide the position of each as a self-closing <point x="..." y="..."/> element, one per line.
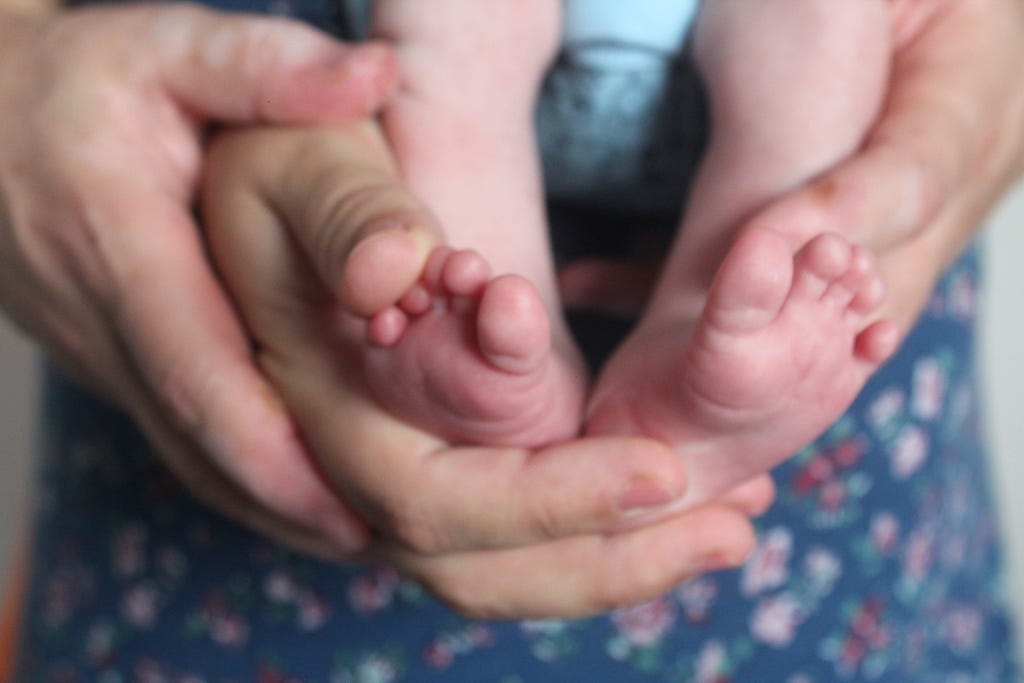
<point x="752" y="283"/>
<point x="513" y="330"/>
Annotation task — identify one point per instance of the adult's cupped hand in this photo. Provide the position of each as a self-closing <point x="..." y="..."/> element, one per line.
<point x="102" y="118"/>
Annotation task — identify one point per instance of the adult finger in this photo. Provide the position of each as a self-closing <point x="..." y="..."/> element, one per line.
<point x="334" y="191"/>
<point x="239" y="68"/>
<point x="929" y="140"/>
<point x="182" y="337"/>
<point x="437" y="499"/>
<point x="583" y="575"/>
<point x="212" y="487"/>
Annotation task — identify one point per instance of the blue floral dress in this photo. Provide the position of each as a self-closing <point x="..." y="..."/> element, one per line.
<point x="879" y="562"/>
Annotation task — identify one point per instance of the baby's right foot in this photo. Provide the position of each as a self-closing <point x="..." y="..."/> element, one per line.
<point x="783" y="345"/>
<point x="468" y="357"/>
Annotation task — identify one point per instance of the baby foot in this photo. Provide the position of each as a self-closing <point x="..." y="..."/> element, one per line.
<point x="781" y="349"/>
<point x="469" y="357"/>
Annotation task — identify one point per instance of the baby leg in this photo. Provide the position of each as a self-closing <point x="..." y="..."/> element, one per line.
<point x="742" y="369"/>
<point x="472" y="358"/>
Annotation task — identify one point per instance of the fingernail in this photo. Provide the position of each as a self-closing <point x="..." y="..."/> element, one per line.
<point x="421" y="239"/>
<point x="372" y="60"/>
<point x="644" y="493"/>
<point x="424" y="236"/>
<point x="717" y="562"/>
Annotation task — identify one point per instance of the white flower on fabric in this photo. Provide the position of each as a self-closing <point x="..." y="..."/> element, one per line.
<point x="643" y="625"/>
<point x="229" y="630"/>
<point x="280" y="587"/>
<point x="768" y="567"/>
<point x="99" y="643"/>
<point x="697" y="596"/>
<point x="140" y="605"/>
<point x="929" y="389"/>
<point x="711" y="662"/>
<point x="376" y="669"/>
<point x="775" y="620"/>
<point x="886" y="408"/>
<point x="909" y="452"/>
<point x="543" y="627"/>
<point x="823" y="569"/>
<point x="313" y="612"/>
<point x="885" y="532"/>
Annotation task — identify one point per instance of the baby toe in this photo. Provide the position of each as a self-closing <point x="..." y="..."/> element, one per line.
<point x="416" y="300"/>
<point x="752" y="283"/>
<point x="387" y="327"/>
<point x="513" y="330"/>
<point x="465" y="273"/>
<point x="818" y="264"/>
<point x="876" y="343"/>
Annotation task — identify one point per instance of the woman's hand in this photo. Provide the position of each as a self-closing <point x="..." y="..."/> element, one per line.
<point x="948" y="143"/>
<point x="495" y="532"/>
<point x="102" y="114"/>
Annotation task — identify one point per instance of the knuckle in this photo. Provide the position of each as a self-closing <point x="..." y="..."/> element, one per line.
<point x="547" y="518"/>
<point x="412" y="529"/>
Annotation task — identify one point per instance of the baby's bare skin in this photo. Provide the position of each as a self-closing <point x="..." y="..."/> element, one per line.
<point x="477" y="351"/>
<point x="742" y="368"/>
<point x="736" y="370"/>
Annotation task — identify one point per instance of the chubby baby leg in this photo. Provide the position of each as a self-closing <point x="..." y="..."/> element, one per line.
<point x="794" y="86"/>
<point x="473" y="356"/>
<point x="752" y="346"/>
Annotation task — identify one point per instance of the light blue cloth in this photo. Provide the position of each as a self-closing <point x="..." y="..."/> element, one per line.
<point x="606" y="26"/>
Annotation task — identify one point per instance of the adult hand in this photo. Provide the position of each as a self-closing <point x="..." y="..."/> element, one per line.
<point x="495" y="532"/>
<point x="103" y="113"/>
<point x="949" y="141"/>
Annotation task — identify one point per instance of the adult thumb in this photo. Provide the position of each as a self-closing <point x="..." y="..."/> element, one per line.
<point x="245" y="69"/>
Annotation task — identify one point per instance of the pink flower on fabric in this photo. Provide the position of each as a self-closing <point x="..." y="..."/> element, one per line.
<point x="885" y="533"/>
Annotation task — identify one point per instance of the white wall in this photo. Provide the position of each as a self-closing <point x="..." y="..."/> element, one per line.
<point x="17" y="406"/>
<point x="1004" y="361"/>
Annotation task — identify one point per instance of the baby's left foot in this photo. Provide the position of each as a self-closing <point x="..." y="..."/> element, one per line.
<point x="471" y="358"/>
<point x="782" y="347"/>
